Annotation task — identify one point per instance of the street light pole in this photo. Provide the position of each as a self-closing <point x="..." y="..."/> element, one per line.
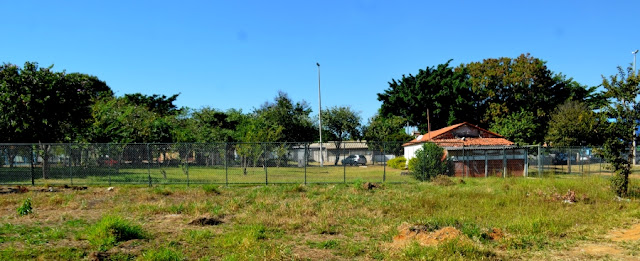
<point x="634" y="125"/>
<point x="320" y="116"/>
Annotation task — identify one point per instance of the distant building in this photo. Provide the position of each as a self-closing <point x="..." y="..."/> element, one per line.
<point x="476" y="152"/>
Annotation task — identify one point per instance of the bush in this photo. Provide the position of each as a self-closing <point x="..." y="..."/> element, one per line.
<point x="25" y="208"/>
<point x="430" y="162"/>
<point x="111" y="230"/>
<point x="397" y="162"/>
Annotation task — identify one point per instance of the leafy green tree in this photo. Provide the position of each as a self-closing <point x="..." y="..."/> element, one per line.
<point x="207" y="125"/>
<point x="294" y="119"/>
<point x="505" y="86"/>
<point x="386" y="133"/>
<point x="442" y="90"/>
<point x="574" y="124"/>
<point x="115" y="120"/>
<point x="340" y="123"/>
<point x="155" y="103"/>
<point x="429" y="162"/>
<point x="519" y="127"/>
<point x="621" y="90"/>
<point x="42" y="106"/>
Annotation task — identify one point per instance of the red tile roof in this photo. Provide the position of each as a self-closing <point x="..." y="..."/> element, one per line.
<point x="487" y="138"/>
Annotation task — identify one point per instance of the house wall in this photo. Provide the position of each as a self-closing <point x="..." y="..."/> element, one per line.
<point x="495" y="168"/>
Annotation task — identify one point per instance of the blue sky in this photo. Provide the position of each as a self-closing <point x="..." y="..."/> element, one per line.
<point x="239" y="54"/>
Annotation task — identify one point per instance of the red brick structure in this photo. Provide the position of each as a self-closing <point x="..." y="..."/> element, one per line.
<point x="476" y="152"/>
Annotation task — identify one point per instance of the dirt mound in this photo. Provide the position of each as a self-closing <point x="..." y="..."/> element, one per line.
<point x="206" y="221"/>
<point x="422" y="235"/>
<point x="496" y="234"/>
<point x="99" y="256"/>
<point x="18" y="189"/>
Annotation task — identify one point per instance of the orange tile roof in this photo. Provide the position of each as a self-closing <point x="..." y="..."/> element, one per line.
<point x="434" y="136"/>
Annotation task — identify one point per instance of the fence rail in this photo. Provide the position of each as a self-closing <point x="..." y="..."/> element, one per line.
<point x="267" y="163"/>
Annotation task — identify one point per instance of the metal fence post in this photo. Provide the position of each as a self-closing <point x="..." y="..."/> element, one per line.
<point x="486" y="164"/>
<point x="384" y="162"/>
<point x="526" y="162"/>
<point x="264" y="159"/>
<point x="226" y="165"/>
<point x="569" y="161"/>
<point x="187" y="163"/>
<point x="540" y="160"/>
<point x="69" y="157"/>
<point x="110" y="165"/>
<point x="149" y="163"/>
<point x="306" y="149"/>
<point x="344" y="166"/>
<point x="504" y="163"/>
<point x="33" y="180"/>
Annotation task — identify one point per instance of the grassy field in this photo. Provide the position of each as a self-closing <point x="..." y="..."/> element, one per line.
<point x="236" y="175"/>
<point x="204" y="175"/>
<point x="321" y="222"/>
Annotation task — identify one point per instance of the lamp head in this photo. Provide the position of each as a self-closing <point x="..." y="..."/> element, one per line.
<point x="318" y="64"/>
<point x="634" y="52"/>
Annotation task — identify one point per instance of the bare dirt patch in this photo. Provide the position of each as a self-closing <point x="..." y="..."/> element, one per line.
<point x="10" y="190"/>
<point x="604" y="249"/>
<point x="421" y="234"/>
<point x="630" y="234"/>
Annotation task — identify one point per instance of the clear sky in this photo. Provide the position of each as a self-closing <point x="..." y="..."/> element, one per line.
<point x="239" y="54"/>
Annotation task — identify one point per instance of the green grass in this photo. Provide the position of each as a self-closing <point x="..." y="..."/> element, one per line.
<point x="111" y="230"/>
<point x="322" y="221"/>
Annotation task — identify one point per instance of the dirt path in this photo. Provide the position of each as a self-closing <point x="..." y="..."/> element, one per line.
<point x="610" y="248"/>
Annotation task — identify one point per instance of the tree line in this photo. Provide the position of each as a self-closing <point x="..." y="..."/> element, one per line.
<point x="520" y="98"/>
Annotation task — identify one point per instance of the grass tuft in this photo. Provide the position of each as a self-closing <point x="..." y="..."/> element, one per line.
<point x="111" y="230"/>
<point x="163" y="254"/>
<point x="211" y="189"/>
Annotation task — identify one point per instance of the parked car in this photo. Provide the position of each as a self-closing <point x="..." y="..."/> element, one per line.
<point x="355" y="160"/>
<point x="561" y="158"/>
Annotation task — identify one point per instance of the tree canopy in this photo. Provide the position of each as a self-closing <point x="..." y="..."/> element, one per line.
<point x="41" y="105"/>
<point x="512" y="96"/>
<point x="442" y="90"/>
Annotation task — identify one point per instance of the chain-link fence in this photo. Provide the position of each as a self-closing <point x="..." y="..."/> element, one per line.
<point x="267" y="163"/>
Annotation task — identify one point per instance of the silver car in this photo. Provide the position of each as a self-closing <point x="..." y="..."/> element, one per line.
<point x="355" y="160"/>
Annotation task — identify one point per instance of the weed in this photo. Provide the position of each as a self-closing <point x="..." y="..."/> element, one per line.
<point x="329" y="244"/>
<point x="111" y="230"/>
<point x="25" y="208"/>
<point x="299" y="189"/>
<point x="211" y="189"/>
<point x="162" y="191"/>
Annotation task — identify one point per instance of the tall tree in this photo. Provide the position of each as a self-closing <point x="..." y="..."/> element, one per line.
<point x="387" y="130"/>
<point x="294" y="118"/>
<point x="519" y="127"/>
<point x="442" y="90"/>
<point x="574" y="124"/>
<point x="505" y="86"/>
<point x="341" y="123"/>
<point x="621" y="90"/>
<point x="39" y="105"/>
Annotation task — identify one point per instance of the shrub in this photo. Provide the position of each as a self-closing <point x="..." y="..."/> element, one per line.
<point x="397" y="162"/>
<point x="111" y="230"/>
<point x="430" y="162"/>
<point x="25" y="208"/>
